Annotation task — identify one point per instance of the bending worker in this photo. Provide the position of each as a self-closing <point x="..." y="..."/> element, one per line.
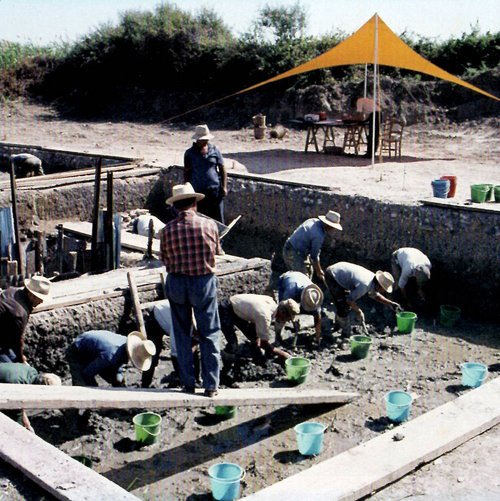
<point x="408" y="263"/>
<point x="104" y="353"/>
<point x="16" y="305"/>
<point x="302" y="249"/>
<point x="299" y="287"/>
<point x="348" y="282"/>
<point x="253" y="314"/>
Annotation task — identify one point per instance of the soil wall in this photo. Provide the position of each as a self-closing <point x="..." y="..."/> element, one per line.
<point x="464" y="246"/>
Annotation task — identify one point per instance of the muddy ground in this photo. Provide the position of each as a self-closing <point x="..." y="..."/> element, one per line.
<point x="262" y="440"/>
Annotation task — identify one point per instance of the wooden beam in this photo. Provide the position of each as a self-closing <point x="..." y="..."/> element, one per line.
<point x="141" y="326"/>
<point x="53" y="470"/>
<point x="361" y="470"/>
<point x="25" y="396"/>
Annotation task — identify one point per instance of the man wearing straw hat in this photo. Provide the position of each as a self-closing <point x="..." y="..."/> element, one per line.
<point x="16" y="305"/>
<point x="103" y="353"/>
<point x="348" y="282"/>
<point x="302" y="249"/>
<point x="188" y="246"/>
<point x="204" y="169"/>
<point x="299" y="287"/>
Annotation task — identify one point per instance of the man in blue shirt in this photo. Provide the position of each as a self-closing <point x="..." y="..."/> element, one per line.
<point x="299" y="287"/>
<point x="204" y="169"/>
<point x="302" y="249"/>
<point x="103" y="353"/>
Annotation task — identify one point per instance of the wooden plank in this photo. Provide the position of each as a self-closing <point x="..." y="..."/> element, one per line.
<point x="449" y="203"/>
<point x="136" y="303"/>
<point x="53" y="470"/>
<point x="363" y="469"/>
<point x="25" y="396"/>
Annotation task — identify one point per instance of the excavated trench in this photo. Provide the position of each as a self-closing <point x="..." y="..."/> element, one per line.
<point x="261" y="438"/>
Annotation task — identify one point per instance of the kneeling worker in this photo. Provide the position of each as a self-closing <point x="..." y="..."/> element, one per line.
<point x="253" y="315"/>
<point x="348" y="282"/>
<point x="299" y="287"/>
<point x="17" y="373"/>
<point x="104" y="353"/>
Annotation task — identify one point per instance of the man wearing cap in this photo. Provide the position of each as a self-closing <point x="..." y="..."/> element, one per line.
<point x="302" y="249"/>
<point x="16" y="305"/>
<point x="407" y="263"/>
<point x="204" y="169"/>
<point x="17" y="373"/>
<point x="253" y="314"/>
<point x="104" y="353"/>
<point x="348" y="282"/>
<point x="188" y="246"/>
<point x="299" y="287"/>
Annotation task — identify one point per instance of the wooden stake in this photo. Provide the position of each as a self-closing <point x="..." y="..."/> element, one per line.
<point x="149" y="251"/>
<point x="60" y="250"/>
<point x="14" y="215"/>
<point x="108" y="234"/>
<point x="135" y="302"/>
<point x="95" y="215"/>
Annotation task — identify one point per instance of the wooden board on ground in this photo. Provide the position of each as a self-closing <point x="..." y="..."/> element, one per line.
<point x="450" y="203"/>
<point x="57" y="473"/>
<point x="25" y="396"/>
<point x="361" y="470"/>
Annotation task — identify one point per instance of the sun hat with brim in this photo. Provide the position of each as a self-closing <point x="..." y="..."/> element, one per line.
<point x="311" y="298"/>
<point x="39" y="287"/>
<point x="202" y="133"/>
<point x="50" y="379"/>
<point x="332" y="219"/>
<point x="140" y="350"/>
<point x="385" y="280"/>
<point x="183" y="191"/>
<point x="289" y="306"/>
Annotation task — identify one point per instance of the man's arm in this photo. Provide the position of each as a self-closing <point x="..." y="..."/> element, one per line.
<point x="318" y="270"/>
<point x="223" y="179"/>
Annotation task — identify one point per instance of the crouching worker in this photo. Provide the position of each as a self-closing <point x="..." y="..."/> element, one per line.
<point x="410" y="265"/>
<point x="299" y="287"/>
<point x="253" y="314"/>
<point x="103" y="353"/>
<point x="17" y="373"/>
<point x="348" y="282"/>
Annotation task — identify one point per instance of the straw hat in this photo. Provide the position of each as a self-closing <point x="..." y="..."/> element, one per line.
<point x="38" y="286"/>
<point x="140" y="350"/>
<point x="385" y="280"/>
<point x="49" y="379"/>
<point x="290" y="307"/>
<point x="183" y="191"/>
<point x="311" y="298"/>
<point x="201" y="133"/>
<point x="332" y="219"/>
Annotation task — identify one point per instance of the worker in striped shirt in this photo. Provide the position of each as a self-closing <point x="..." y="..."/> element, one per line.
<point x="189" y="244"/>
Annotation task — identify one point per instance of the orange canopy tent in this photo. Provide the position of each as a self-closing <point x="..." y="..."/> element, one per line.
<point x="374" y="43"/>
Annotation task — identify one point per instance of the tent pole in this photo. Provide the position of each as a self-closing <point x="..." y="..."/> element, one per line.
<point x="366" y="81"/>
<point x="375" y="76"/>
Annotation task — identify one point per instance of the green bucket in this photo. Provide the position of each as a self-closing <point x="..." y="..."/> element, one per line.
<point x="449" y="315"/>
<point x="84" y="460"/>
<point x="480" y="193"/>
<point x="297" y="369"/>
<point x="496" y="191"/>
<point x="147" y="427"/>
<point x="406" y="321"/>
<point x="225" y="411"/>
<point x="360" y="346"/>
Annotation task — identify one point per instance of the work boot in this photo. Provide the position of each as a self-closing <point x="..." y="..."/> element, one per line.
<point x="197" y="366"/>
<point x="344" y="325"/>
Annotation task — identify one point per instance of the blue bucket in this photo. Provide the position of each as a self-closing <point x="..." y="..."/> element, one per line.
<point x="225" y="481"/>
<point x="473" y="374"/>
<point x="440" y="188"/>
<point x="398" y="405"/>
<point x="310" y="438"/>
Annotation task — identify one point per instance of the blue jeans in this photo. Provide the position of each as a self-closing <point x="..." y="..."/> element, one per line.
<point x="294" y="261"/>
<point x="196" y="294"/>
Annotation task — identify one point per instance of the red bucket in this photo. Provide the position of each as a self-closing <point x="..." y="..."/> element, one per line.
<point x="453" y="185"/>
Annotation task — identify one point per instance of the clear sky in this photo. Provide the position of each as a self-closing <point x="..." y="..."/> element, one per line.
<point x="44" y="21"/>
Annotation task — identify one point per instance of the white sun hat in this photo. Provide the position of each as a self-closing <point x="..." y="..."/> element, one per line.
<point x="140" y="350"/>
